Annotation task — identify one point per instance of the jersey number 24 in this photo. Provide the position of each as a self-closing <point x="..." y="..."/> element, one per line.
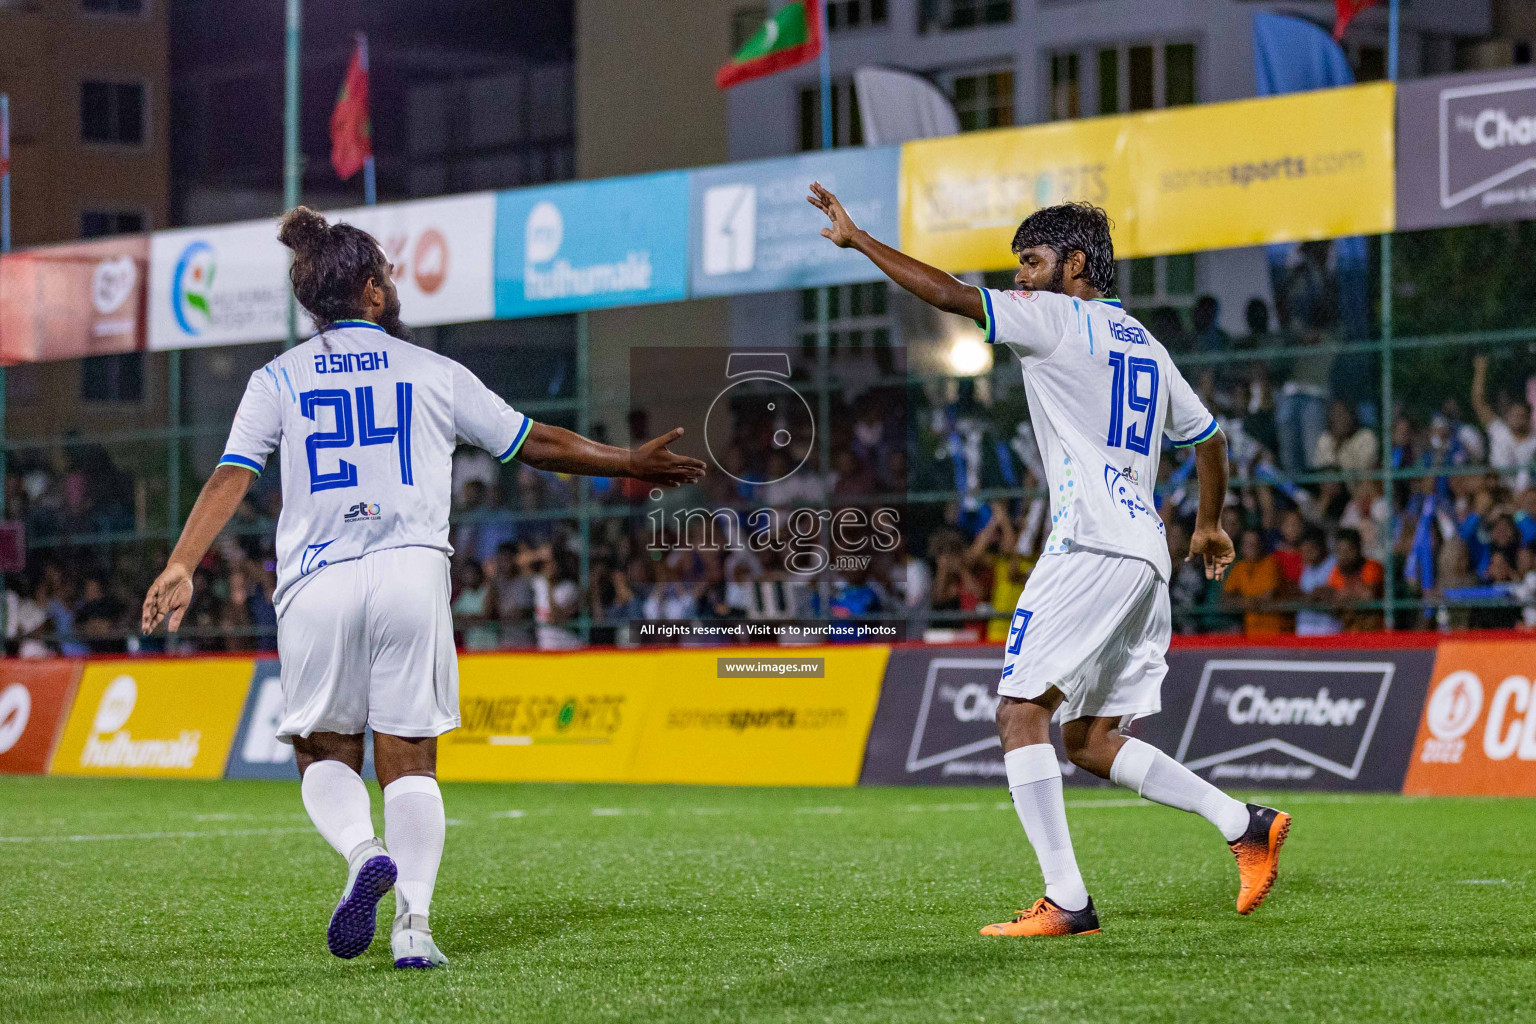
<point x="1134" y="386"/>
<point x="367" y="432"/>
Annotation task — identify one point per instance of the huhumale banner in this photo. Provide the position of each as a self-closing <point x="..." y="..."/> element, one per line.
<point x="591" y="244"/>
<point x="1466" y="149"/>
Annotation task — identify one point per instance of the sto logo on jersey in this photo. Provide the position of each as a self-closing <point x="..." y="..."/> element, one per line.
<point x="360" y="512"/>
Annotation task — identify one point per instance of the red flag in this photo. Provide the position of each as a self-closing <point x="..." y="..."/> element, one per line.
<point x="351" y="131"/>
<point x="1347" y="9"/>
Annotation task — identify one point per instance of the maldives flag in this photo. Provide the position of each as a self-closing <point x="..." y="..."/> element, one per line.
<point x="789" y="38"/>
<point x="1347" y="9"/>
<point x="351" y="131"/>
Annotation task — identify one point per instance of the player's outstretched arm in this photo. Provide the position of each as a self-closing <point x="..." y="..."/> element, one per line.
<point x="932" y="285"/>
<point x="1210" y="541"/>
<point x="561" y="451"/>
<point x="171" y="592"/>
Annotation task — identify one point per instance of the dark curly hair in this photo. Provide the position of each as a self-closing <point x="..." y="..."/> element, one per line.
<point x="331" y="265"/>
<point x="1073" y="227"/>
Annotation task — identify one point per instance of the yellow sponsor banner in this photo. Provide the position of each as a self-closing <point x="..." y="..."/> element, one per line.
<point x="760" y="730"/>
<point x="1281" y="169"/>
<point x="548" y="717"/>
<point x="170" y="719"/>
<point x="1216" y="176"/>
<point x="963" y="197"/>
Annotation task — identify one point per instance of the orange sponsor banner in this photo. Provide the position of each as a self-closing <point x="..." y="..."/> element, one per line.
<point x="69" y="301"/>
<point x="34" y="699"/>
<point x="1477" y="735"/>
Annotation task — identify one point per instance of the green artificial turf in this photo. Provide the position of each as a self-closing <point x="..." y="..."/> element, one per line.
<point x="209" y="901"/>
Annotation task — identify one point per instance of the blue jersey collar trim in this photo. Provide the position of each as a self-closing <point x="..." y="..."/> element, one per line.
<point x="356" y="323"/>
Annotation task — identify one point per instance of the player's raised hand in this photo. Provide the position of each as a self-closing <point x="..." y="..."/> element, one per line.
<point x="843" y="229"/>
<point x="1215" y="547"/>
<point x="170" y="594"/>
<point x="654" y="463"/>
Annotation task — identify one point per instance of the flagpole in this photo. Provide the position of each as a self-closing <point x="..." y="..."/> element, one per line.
<point x="370" y="184"/>
<point x="292" y="169"/>
<point x="1389" y="593"/>
<point x="5" y="246"/>
<point x="5" y="172"/>
<point x="824" y="293"/>
<point x="825" y="64"/>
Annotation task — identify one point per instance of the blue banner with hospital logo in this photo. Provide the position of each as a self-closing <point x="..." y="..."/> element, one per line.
<point x="591" y="244"/>
<point x="754" y="231"/>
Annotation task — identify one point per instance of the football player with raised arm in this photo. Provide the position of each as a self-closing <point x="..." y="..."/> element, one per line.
<point x="365" y="424"/>
<point x="1091" y="629"/>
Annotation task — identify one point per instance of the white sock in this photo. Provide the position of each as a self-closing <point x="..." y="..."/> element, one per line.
<point x="413" y="831"/>
<point x="1034" y="782"/>
<point x="1157" y="777"/>
<point x="337" y="802"/>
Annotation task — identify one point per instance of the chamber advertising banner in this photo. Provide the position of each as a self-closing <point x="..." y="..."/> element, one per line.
<point x="591" y="244"/>
<point x="1466" y="149"/>
<point x="753" y="231"/>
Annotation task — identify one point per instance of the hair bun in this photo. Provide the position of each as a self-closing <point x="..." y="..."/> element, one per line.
<point x="302" y="229"/>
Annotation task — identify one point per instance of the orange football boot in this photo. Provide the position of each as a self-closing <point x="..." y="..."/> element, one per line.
<point x="1258" y="855"/>
<point x="1046" y="918"/>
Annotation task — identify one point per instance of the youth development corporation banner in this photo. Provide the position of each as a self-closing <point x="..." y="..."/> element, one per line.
<point x="228" y="284"/>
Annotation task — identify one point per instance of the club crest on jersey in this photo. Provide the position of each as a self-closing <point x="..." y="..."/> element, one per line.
<point x="1120" y="489"/>
<point x="361" y="511"/>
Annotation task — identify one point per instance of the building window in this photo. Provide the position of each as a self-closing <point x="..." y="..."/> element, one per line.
<point x="847" y="128"/>
<point x="983" y="100"/>
<point x="1371" y="63"/>
<point x="1109" y="81"/>
<point x="113" y="6"/>
<point x="112" y="112"/>
<point x="1066" y="101"/>
<point x="1159" y="280"/>
<point x="1144" y="76"/>
<point x="101" y="223"/>
<point x="958" y="14"/>
<point x="845" y="14"/>
<point x="114" y="378"/>
<point x="858" y="317"/>
<point x="745" y="22"/>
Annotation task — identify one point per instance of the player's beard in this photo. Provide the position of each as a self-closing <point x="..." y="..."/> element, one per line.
<point x="1058" y="281"/>
<point x="390" y="318"/>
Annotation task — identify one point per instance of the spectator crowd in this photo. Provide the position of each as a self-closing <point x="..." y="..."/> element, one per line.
<point x="1316" y="523"/>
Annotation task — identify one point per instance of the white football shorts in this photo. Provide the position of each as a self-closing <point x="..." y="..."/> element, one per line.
<point x="1096" y="627"/>
<point x="369" y="641"/>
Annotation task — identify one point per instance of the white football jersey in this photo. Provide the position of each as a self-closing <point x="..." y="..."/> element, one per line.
<point x="367" y="425"/>
<point x="1102" y="392"/>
